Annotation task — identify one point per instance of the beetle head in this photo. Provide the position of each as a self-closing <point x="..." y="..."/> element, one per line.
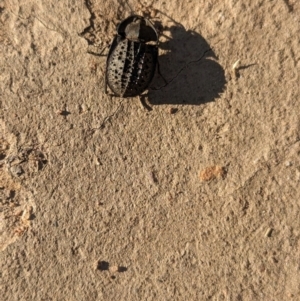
<point x="137" y="28"/>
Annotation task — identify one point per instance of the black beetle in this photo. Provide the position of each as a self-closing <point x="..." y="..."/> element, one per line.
<point x="132" y="58"/>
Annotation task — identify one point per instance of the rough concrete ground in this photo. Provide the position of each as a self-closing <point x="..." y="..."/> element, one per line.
<point x="198" y="199"/>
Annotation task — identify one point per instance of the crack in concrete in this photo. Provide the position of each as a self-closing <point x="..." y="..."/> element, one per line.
<point x="190" y="62"/>
<point x="266" y="165"/>
<point x="107" y="118"/>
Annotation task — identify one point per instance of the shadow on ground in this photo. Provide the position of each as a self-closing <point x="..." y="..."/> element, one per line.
<point x="194" y="77"/>
<point x="189" y="66"/>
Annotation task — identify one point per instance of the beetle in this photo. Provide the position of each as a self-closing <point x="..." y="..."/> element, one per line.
<point x="132" y="58"/>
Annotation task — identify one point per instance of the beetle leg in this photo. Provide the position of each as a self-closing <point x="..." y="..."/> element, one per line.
<point x="142" y="99"/>
<point x="105" y="84"/>
<point x="90" y="51"/>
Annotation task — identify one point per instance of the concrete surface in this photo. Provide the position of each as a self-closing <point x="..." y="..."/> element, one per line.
<point x="197" y="199"/>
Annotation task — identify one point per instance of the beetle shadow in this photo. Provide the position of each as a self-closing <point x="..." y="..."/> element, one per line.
<point x="191" y="69"/>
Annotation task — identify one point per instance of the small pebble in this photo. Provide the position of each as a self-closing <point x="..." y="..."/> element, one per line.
<point x="269" y="232"/>
<point x="16" y="170"/>
<point x="114" y="269"/>
<point x="173" y="110"/>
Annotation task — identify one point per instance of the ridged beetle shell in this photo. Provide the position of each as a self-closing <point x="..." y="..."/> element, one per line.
<point x="132" y="57"/>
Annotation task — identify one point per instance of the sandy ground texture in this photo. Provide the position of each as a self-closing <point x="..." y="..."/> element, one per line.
<point x="196" y="199"/>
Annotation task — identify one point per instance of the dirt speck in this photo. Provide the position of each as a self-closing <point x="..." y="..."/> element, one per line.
<point x="212" y="172"/>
